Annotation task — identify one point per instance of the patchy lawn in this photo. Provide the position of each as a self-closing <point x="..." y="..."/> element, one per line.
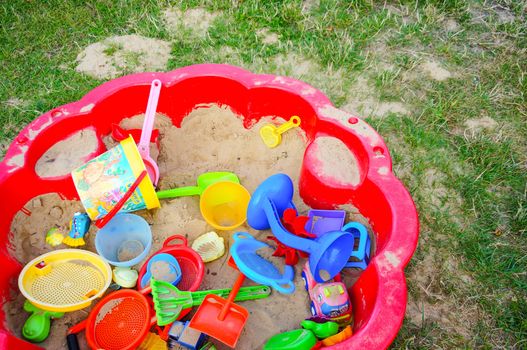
<point x="445" y="82"/>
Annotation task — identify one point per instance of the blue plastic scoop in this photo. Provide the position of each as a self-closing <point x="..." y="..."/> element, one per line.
<point x="162" y="267"/>
<point x="329" y="253"/>
<point x="257" y="268"/>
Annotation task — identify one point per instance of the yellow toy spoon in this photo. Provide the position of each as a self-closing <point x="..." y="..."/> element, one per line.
<point x="272" y="135"/>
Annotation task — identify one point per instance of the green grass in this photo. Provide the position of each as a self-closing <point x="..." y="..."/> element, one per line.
<point x="474" y="213"/>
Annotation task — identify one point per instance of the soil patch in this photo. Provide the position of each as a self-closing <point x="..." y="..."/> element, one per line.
<point x="267" y="37"/>
<point x="362" y="101"/>
<point x="119" y="55"/>
<point x="196" y="20"/>
<point x="477" y="125"/>
<point x="435" y="71"/>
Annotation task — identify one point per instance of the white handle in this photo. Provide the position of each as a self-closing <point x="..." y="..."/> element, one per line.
<point x="148" y="124"/>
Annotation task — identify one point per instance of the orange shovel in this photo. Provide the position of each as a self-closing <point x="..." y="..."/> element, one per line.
<point x="220" y="318"/>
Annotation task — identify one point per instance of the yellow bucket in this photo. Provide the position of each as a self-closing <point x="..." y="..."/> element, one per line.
<point x="224" y="205"/>
<point x="65" y="280"/>
<point x="102" y="181"/>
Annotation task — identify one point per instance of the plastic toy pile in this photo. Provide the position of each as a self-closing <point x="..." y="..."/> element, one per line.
<point x="149" y="308"/>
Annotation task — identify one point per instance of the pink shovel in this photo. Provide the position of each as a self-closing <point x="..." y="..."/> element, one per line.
<point x="148" y="125"/>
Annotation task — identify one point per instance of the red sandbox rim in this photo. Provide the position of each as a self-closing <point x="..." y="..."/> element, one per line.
<point x="379" y="296"/>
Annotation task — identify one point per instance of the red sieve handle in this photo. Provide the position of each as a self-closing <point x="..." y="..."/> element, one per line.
<point x="79" y="327"/>
<point x="71" y="338"/>
<point x="102" y="222"/>
<point x="170" y="240"/>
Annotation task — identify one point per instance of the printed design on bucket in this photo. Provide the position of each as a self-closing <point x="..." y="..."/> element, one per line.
<point x="104" y="180"/>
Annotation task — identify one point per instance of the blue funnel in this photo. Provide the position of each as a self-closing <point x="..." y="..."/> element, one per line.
<point x="328" y="254"/>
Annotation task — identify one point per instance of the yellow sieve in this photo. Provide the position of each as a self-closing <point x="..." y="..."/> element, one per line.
<point x="65" y="280"/>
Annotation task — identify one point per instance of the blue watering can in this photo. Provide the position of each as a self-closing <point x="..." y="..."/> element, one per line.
<point x="328" y="254"/>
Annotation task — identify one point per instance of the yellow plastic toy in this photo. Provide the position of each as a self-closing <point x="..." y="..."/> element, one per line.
<point x="153" y="342"/>
<point x="65" y="280"/>
<point x="272" y="135"/>
<point x="125" y="276"/>
<point x="54" y="237"/>
<point x="209" y="246"/>
<point x="224" y="205"/>
<point x="339" y="337"/>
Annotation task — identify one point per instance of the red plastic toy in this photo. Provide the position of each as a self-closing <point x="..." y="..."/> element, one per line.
<point x="191" y="264"/>
<point x="379" y="295"/>
<point x="294" y="224"/>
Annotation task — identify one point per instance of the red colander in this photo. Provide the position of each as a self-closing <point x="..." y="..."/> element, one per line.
<point x="191" y="264"/>
<point x="120" y="321"/>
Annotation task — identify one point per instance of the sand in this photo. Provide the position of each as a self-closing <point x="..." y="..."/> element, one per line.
<point x="435" y="71"/>
<point x="337" y="163"/>
<point x="63" y="157"/>
<point x="211" y="138"/>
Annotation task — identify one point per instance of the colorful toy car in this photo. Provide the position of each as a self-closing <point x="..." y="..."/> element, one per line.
<point x="328" y="300"/>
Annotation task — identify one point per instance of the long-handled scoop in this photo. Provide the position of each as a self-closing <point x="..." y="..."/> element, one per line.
<point x="169" y="301"/>
<point x="203" y="181"/>
<point x="220" y="318"/>
<point x="272" y="135"/>
<point x="148" y="126"/>
<point x="328" y="254"/>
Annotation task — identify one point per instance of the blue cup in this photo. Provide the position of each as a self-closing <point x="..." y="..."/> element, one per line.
<point x="125" y="240"/>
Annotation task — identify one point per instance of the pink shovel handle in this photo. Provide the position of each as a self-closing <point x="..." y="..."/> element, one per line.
<point x="148" y="124"/>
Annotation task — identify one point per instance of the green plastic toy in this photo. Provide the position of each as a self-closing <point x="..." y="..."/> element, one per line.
<point x="321" y="330"/>
<point x="169" y="301"/>
<point x="209" y="346"/>
<point x="298" y="339"/>
<point x="36" y="328"/>
<point x="204" y="181"/>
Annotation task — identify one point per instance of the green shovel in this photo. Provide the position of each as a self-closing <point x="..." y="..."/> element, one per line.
<point x="204" y="181"/>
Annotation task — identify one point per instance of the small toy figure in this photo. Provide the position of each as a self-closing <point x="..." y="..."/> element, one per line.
<point x="185" y="336"/>
<point x="328" y="300"/>
<point x="54" y="237"/>
<point x="79" y="226"/>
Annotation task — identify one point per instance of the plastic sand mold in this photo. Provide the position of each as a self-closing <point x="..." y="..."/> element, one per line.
<point x="79" y="226"/>
<point x="258" y="269"/>
<point x="209" y="246"/>
<point x="162" y="267"/>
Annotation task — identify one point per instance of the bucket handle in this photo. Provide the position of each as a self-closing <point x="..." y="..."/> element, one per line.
<point x="286" y="288"/>
<point x="173" y="238"/>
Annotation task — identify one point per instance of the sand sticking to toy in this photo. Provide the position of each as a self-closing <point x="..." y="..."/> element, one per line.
<point x="211" y="138"/>
<point x="161" y="271"/>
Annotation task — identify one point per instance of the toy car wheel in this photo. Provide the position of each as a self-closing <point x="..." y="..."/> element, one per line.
<point x="305" y="281"/>
<point x="313" y="309"/>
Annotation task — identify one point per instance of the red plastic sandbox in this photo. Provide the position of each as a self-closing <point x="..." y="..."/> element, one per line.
<point x="378" y="297"/>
